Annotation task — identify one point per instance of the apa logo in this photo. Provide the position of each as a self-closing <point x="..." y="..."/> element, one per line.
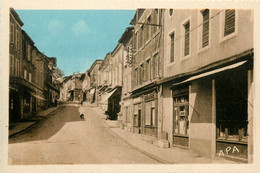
<point x="221" y="152"/>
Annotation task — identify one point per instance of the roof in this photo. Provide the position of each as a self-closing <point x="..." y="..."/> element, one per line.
<point x="27" y="36"/>
<point x="93" y="65"/>
<point x="16" y="16"/>
<point x="126" y="35"/>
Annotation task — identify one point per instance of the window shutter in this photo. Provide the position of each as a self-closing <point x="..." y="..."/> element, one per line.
<point x="205" y="30"/>
<point x="152" y="68"/>
<point x="187" y="39"/>
<point x="229" y="22"/>
<point x="148" y="113"/>
<point x="12" y="33"/>
<point x="172" y="48"/>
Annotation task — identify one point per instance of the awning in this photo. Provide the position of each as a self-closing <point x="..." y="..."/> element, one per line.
<point x="36" y="96"/>
<point x="211" y="72"/>
<point x="106" y="97"/>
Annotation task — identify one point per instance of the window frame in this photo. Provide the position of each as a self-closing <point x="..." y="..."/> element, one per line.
<point x="222" y="37"/>
<point x="183" y="56"/>
<point x="12" y="40"/>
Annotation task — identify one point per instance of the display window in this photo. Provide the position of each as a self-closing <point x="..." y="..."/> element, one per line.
<point x="181" y="115"/>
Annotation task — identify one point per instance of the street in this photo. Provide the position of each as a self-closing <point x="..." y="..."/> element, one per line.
<point x="65" y="138"/>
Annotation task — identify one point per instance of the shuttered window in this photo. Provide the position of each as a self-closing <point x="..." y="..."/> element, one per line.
<point x="17" y="39"/>
<point x="205" y="28"/>
<point x="229" y="22"/>
<point x="155" y="20"/>
<point x="148" y="69"/>
<point x="11" y="64"/>
<point x="148" y="113"/>
<point x="172" y="48"/>
<point x="12" y="33"/>
<point x="156" y="65"/>
<point x="187" y="38"/>
<point x="148" y="28"/>
<point x="17" y="67"/>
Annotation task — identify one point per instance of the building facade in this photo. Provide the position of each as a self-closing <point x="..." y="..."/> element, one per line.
<point x="146" y="71"/>
<point x="208" y="81"/>
<point x="29" y="73"/>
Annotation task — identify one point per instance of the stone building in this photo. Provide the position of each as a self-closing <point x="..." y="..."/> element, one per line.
<point x="208" y="81"/>
<point x="126" y="101"/>
<point x="30" y="83"/>
<point x="147" y="71"/>
<point x="91" y="92"/>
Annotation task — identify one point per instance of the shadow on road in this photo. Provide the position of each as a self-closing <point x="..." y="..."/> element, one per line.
<point x="49" y="126"/>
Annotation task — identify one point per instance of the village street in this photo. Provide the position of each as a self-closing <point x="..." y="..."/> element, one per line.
<point x="64" y="138"/>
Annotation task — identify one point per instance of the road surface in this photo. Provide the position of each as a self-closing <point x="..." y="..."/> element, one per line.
<point x="64" y="138"/>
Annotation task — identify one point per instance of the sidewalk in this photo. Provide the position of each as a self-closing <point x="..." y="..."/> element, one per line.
<point x="22" y="126"/>
<point x="144" y="144"/>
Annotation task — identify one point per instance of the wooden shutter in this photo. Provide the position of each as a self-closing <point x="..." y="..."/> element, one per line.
<point x="229" y="22"/>
<point x="172" y="48"/>
<point x="205" y="29"/>
<point x="148" y="113"/>
<point x="187" y="39"/>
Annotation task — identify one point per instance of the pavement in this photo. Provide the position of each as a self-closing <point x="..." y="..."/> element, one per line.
<point x="144" y="144"/>
<point x="18" y="127"/>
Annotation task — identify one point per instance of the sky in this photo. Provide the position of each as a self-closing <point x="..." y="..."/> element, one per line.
<point x="75" y="37"/>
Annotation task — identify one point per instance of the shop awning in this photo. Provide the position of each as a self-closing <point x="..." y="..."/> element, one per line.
<point x="211" y="72"/>
<point x="36" y="96"/>
<point x="107" y="96"/>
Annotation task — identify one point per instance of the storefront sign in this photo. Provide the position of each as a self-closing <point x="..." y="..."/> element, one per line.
<point x="150" y="96"/>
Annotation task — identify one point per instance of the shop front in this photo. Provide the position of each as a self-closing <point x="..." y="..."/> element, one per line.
<point x="181" y="122"/>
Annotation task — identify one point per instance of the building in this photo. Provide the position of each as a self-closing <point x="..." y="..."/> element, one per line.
<point x="91" y="92"/>
<point x="15" y="66"/>
<point x="208" y="81"/>
<point x="71" y="89"/>
<point x="126" y="101"/>
<point x="147" y="71"/>
<point x="30" y="72"/>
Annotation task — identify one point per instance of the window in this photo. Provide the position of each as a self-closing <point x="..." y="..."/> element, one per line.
<point x="187" y="38"/>
<point x="136" y="42"/>
<point x="229" y="22"/>
<point x="155" y="19"/>
<point x="11" y="65"/>
<point x="181" y="113"/>
<point x="142" y="36"/>
<point x="148" y="69"/>
<point x="137" y="115"/>
<point x="29" y="53"/>
<point x="156" y="65"/>
<point x="141" y="77"/>
<point x="127" y="114"/>
<point x="25" y="74"/>
<point x="170" y="12"/>
<point x="150" y="116"/>
<point x="205" y="28"/>
<point x="12" y="33"/>
<point x="17" y="67"/>
<point x="148" y="28"/>
<point x="17" y="40"/>
<point x="172" y="48"/>
<point x="30" y="77"/>
<point x="136" y="77"/>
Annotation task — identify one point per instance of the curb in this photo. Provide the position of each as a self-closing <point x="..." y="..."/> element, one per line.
<point x="163" y="161"/>
<point x="31" y="126"/>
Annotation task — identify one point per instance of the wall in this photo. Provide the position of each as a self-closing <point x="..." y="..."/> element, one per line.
<point x="218" y="48"/>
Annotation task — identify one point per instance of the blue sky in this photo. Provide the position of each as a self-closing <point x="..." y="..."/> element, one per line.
<point x="75" y="37"/>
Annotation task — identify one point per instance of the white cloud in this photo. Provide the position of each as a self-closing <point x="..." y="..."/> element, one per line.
<point x="55" y="26"/>
<point x="80" y="27"/>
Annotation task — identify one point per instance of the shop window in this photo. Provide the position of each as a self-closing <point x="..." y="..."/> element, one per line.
<point x="181" y="112"/>
<point x="150" y="116"/>
<point x="231" y="108"/>
<point x="137" y="115"/>
<point x="229" y="22"/>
